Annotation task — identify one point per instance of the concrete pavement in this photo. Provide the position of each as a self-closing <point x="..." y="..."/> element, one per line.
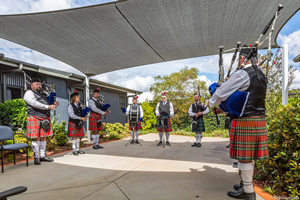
<point x="134" y="172"/>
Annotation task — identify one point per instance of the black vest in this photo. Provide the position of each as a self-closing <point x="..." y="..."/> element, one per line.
<point x="98" y="105"/>
<point x="77" y="111"/>
<point x="164" y="110"/>
<point x="258" y="90"/>
<point x="42" y="98"/>
<point x="196" y="109"/>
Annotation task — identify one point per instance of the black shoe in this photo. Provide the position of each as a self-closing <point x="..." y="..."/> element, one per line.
<point x="199" y="145"/>
<point x="100" y="147"/>
<point x="46" y="159"/>
<point x="241" y="194"/>
<point x="137" y="142"/>
<point x="235" y="165"/>
<point x="160" y="143"/>
<point x="238" y="186"/>
<point x="75" y="153"/>
<point x="37" y="161"/>
<point x="194" y="145"/>
<point x="228" y="146"/>
<point x="168" y="143"/>
<point x="96" y="147"/>
<point x="80" y="151"/>
<point x="132" y="141"/>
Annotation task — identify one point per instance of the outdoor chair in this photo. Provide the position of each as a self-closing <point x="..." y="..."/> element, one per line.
<point x="12" y="192"/>
<point x="6" y="133"/>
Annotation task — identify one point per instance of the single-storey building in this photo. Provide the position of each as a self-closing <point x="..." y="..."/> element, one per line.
<point x="13" y="85"/>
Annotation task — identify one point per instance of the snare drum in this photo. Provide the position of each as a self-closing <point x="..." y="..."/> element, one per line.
<point x="162" y="122"/>
<point x="134" y="115"/>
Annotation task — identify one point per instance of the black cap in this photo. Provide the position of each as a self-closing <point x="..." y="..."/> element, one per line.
<point x="245" y="52"/>
<point x="97" y="90"/>
<point x="75" y="93"/>
<point x="33" y="80"/>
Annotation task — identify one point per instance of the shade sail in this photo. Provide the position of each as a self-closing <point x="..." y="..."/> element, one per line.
<point x="104" y="38"/>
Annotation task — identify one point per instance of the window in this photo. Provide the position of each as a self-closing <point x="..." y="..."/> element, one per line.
<point x="122" y="101"/>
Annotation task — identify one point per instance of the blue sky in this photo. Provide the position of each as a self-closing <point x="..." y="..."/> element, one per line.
<point x="139" y="78"/>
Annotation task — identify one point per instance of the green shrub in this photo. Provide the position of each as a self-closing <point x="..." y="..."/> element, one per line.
<point x="59" y="131"/>
<point x="149" y="117"/>
<point x="282" y="169"/>
<point x="115" y="136"/>
<point x="13" y="113"/>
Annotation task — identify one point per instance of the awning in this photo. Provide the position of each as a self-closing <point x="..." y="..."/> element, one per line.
<point x="104" y="38"/>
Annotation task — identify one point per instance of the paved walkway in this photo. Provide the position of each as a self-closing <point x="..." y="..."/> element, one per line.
<point x="134" y="172"/>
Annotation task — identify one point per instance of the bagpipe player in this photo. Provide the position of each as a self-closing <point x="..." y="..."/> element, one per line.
<point x="97" y="111"/>
<point x="38" y="119"/>
<point x="76" y="122"/>
<point x="248" y="135"/>
<point x="196" y="111"/>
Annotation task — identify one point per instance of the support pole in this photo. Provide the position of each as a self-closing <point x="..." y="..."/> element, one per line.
<point x="87" y="98"/>
<point x="285" y="72"/>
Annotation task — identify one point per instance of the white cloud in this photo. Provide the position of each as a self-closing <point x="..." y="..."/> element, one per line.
<point x="205" y="79"/>
<point x="293" y="40"/>
<point x="144" y="96"/>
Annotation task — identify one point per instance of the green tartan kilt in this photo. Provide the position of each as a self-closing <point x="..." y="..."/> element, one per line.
<point x="200" y="126"/>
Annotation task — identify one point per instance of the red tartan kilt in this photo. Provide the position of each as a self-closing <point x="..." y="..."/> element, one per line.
<point x="93" y="122"/>
<point x="73" y="132"/>
<point x="169" y="129"/>
<point x="34" y="129"/>
<point x="248" y="139"/>
<point x="139" y="126"/>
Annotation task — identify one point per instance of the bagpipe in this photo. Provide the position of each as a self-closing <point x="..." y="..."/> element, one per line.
<point x="237" y="102"/>
<point x="50" y="93"/>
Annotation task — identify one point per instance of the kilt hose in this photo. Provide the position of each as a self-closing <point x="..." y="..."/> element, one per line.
<point x="34" y="129"/>
<point x="248" y="139"/>
<point x="93" y="122"/>
<point x="200" y="126"/>
<point x="73" y="132"/>
<point x="138" y="127"/>
<point x="169" y="129"/>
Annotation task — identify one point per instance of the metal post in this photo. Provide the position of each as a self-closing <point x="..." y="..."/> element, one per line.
<point x="285" y="72"/>
<point x="87" y="98"/>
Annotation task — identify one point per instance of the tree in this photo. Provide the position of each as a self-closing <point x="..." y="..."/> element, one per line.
<point x="180" y="87"/>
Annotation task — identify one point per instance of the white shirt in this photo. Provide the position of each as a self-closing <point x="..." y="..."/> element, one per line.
<point x="71" y="111"/>
<point x="238" y="81"/>
<point x="94" y="108"/>
<point x="171" y="109"/>
<point x="31" y="100"/>
<point x="140" y="109"/>
<point x="192" y="114"/>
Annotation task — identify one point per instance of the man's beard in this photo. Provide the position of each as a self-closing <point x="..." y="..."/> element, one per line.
<point x="39" y="90"/>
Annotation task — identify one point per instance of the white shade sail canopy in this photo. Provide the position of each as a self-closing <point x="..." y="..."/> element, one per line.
<point x="104" y="38"/>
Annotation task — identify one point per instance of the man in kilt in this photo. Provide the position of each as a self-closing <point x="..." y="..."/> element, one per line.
<point x="96" y="118"/>
<point x="140" y="115"/>
<point x="164" y="108"/>
<point x="248" y="135"/>
<point x="76" y="120"/>
<point x="38" y="119"/>
<point x="197" y="110"/>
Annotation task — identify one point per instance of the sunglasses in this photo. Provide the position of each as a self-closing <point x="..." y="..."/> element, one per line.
<point x="163" y="97"/>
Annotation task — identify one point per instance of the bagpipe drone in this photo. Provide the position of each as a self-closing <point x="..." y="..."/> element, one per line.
<point x="50" y="93"/>
<point x="237" y="102"/>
